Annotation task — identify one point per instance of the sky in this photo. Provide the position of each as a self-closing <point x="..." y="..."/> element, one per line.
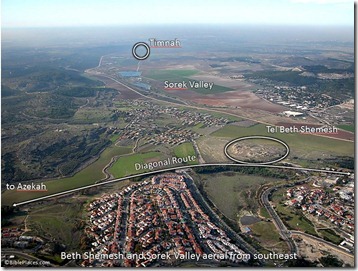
<point x="63" y="13"/>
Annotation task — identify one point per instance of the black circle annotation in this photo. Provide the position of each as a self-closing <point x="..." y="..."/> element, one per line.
<point x="256" y="137"/>
<point x="141" y="57"/>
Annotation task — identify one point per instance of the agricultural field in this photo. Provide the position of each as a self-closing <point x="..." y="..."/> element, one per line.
<point x="183" y="75"/>
<point x="304" y="147"/>
<point x="125" y="166"/>
<point x="212" y="149"/>
<point x="170" y="75"/>
<point x="93" y="115"/>
<point x="349" y="128"/>
<point x="185" y="149"/>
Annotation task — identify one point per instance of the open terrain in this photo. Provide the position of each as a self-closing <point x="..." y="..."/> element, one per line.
<point x="70" y="119"/>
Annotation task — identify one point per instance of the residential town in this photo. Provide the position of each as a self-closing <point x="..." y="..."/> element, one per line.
<point x="298" y="98"/>
<point x="331" y="201"/>
<point x="146" y="121"/>
<point x="153" y="217"/>
<point x="15" y="238"/>
<point x="305" y="102"/>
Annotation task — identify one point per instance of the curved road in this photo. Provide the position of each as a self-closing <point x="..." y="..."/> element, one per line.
<point x="189" y="106"/>
<point x="176" y="104"/>
<point x="287" y="234"/>
<point x="284" y="232"/>
<point x="216" y="219"/>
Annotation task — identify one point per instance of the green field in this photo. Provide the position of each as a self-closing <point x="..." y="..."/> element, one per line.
<point x="92" y="115"/>
<point x="183" y="75"/>
<point x="268" y="235"/>
<point x="264" y="212"/>
<point x="114" y="138"/>
<point x="184" y="150"/>
<point x="87" y="176"/>
<point x="214" y="90"/>
<point x="212" y="113"/>
<point x="298" y="143"/>
<point x="232" y="192"/>
<point x="197" y="127"/>
<point x="290" y="216"/>
<point x="349" y="128"/>
<point x="125" y="166"/>
<point x="223" y="115"/>
<point x="58" y="222"/>
<point x="295" y="221"/>
<point x="331" y="236"/>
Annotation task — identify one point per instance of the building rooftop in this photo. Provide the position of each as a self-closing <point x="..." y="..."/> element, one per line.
<point x="130" y="74"/>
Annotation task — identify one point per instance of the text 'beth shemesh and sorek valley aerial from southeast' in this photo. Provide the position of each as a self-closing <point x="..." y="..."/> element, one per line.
<point x="178" y="134"/>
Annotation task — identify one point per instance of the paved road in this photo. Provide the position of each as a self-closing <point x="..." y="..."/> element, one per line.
<point x="90" y="71"/>
<point x="284" y="232"/>
<point x="333" y="246"/>
<point x="216" y="219"/>
<point x="173" y="103"/>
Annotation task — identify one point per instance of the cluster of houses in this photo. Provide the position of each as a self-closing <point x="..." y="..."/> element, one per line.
<point x="297" y="98"/>
<point x="145" y="121"/>
<point x="157" y="216"/>
<point x="301" y="101"/>
<point x="192" y="118"/>
<point x="14" y="237"/>
<point x="104" y="227"/>
<point x="173" y="136"/>
<point x="335" y="209"/>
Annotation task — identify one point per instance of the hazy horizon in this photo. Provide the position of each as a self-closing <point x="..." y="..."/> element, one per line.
<point x="59" y="13"/>
<point x="205" y="32"/>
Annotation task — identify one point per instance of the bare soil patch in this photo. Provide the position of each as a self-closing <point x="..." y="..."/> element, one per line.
<point x="236" y="98"/>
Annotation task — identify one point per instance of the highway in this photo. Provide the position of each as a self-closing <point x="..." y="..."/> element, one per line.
<point x="184" y="105"/>
<point x="168" y="169"/>
<point x="91" y="71"/>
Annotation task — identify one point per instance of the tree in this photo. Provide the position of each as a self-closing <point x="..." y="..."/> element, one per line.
<point x="330" y="261"/>
<point x="300" y="262"/>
